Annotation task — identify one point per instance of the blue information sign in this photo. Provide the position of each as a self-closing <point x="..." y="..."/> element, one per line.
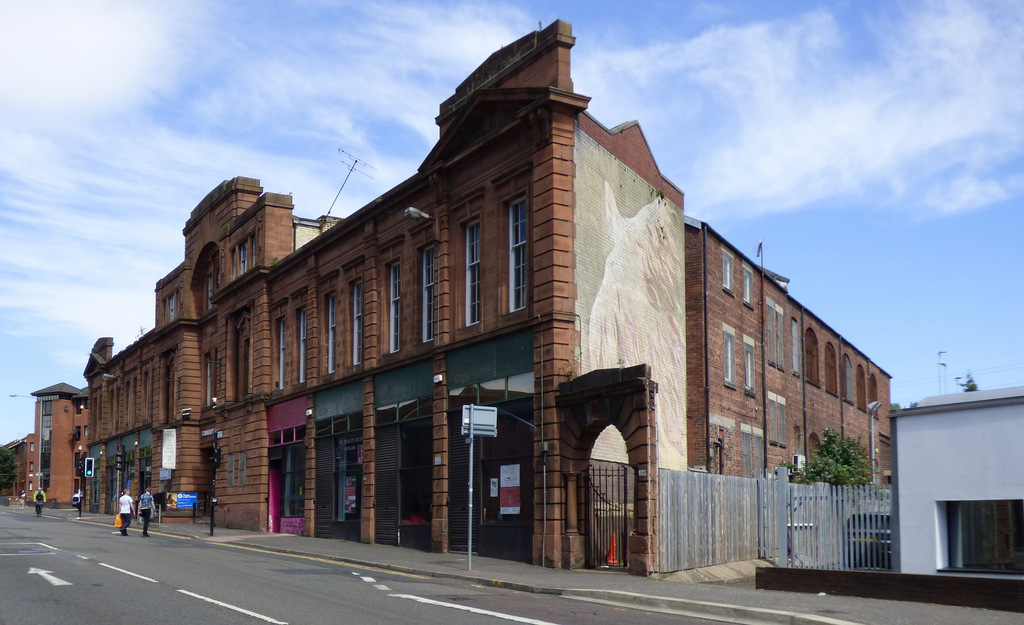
<point x="185" y="501"/>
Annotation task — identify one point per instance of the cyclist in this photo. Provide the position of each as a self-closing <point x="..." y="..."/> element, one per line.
<point x="40" y="500"/>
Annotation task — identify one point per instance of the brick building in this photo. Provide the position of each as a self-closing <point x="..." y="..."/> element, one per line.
<point x="534" y="263"/>
<point x="760" y="398"/>
<point x="49" y="457"/>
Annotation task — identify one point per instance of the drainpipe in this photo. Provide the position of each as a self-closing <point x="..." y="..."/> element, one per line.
<point x="707" y="387"/>
<point x="803" y="378"/>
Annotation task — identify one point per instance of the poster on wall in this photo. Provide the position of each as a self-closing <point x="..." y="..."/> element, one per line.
<point x="170" y="451"/>
<point x="509" y="489"/>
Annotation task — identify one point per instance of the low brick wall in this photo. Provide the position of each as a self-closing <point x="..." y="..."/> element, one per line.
<point x="971" y="592"/>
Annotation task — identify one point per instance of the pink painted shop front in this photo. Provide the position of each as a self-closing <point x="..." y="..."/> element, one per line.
<point x="286" y="454"/>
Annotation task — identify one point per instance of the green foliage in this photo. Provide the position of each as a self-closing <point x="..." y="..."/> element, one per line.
<point x="969" y="385"/>
<point x="839" y="461"/>
<point x="8" y="468"/>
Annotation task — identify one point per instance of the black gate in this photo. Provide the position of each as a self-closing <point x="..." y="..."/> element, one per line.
<point x="610" y="510"/>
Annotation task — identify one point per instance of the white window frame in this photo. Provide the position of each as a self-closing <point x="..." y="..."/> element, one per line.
<point x="749" y="365"/>
<point x="517" y="256"/>
<point x="243" y="257"/>
<point x="473" y="273"/>
<point x="748" y="284"/>
<point x="428" y="258"/>
<point x="357" y="323"/>
<point x="395" y="306"/>
<point x="727" y="265"/>
<point x="332" y="333"/>
<point x="729" y="354"/>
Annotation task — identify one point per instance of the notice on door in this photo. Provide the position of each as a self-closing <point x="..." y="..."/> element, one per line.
<point x="509" y="489"/>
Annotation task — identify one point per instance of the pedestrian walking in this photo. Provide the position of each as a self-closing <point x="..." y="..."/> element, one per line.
<point x="126" y="509"/>
<point x="145" y="510"/>
<point x="22" y="499"/>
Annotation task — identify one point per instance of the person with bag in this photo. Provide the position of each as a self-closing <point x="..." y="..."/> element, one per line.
<point x="145" y="510"/>
<point x="126" y="509"/>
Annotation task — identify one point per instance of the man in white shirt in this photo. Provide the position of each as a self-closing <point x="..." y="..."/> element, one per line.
<point x="126" y="508"/>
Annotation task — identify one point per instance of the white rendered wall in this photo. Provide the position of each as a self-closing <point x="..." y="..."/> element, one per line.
<point x="969" y="454"/>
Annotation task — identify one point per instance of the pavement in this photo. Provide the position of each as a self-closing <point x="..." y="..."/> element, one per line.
<point x="724" y="593"/>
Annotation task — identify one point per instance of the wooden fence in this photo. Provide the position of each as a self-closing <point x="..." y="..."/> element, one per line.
<point x="707" y="519"/>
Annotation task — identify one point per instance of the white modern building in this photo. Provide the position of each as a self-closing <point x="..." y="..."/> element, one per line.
<point x="958" y="464"/>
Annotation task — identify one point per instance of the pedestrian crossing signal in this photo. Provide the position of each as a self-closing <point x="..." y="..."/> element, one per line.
<point x="90" y="467"/>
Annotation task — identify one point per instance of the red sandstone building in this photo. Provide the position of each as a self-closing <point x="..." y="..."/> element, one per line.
<point x="536" y="263"/>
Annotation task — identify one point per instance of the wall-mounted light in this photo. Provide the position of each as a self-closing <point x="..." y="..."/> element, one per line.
<point x="186" y="413"/>
<point x="416" y="213"/>
<point x="309" y="412"/>
<point x="108" y="376"/>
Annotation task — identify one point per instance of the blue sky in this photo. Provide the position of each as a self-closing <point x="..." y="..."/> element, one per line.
<point x="876" y="148"/>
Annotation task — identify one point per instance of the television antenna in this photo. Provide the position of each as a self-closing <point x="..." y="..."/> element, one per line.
<point x="352" y="163"/>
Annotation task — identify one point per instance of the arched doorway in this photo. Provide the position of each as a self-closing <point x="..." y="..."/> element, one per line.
<point x="605" y="498"/>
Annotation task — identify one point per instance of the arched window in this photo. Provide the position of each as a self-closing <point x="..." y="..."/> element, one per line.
<point x="862" y="398"/>
<point x="847" y="379"/>
<point x="811" y="357"/>
<point x="831" y="372"/>
<point x="872" y="388"/>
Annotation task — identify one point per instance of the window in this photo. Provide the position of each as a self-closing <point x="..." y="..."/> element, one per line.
<point x="776" y="419"/>
<point x="348" y="477"/>
<point x="357" y="323"/>
<point x="795" y="347"/>
<point x="209" y="292"/>
<point x="749" y="370"/>
<point x="302" y="344"/>
<point x="872" y="388"/>
<point x="241" y="468"/>
<point x="517" y="255"/>
<point x="986" y="535"/>
<point x="729" y="354"/>
<point x="753" y="451"/>
<point x="280" y="352"/>
<point x="252" y="251"/>
<point x="811" y="357"/>
<point x="170" y="308"/>
<point x="727" y="271"/>
<point x="780" y="333"/>
<point x="472" y="274"/>
<point x="294" y="491"/>
<point x="332" y="334"/>
<point x="208" y="371"/>
<point x="395" y="289"/>
<point x="774" y="332"/>
<point x="748" y="285"/>
<point x="769" y="332"/>
<point x="427" y="329"/>
<point x="862" y="396"/>
<point x="831" y="373"/>
<point x="848" y="392"/>
<point x="231" y="470"/>
<point x="243" y="257"/>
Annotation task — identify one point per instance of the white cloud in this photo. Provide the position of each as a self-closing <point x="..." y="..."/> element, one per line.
<point x="784" y="114"/>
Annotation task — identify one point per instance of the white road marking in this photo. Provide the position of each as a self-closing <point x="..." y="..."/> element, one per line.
<point x="466" y="608"/>
<point x="142" y="577"/>
<point x="49" y="576"/>
<point x="381" y="587"/>
<point x="368" y="580"/>
<point x="234" y="607"/>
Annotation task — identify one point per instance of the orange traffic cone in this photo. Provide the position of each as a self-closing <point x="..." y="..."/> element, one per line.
<point x="613" y="554"/>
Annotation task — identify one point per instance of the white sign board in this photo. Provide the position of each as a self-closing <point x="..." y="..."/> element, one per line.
<point x="483" y="418"/>
<point x="170" y="451"/>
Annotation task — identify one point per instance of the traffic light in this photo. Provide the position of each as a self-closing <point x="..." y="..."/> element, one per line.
<point x="89" y="467"/>
<point x="80" y="467"/>
<point x="119" y="459"/>
<point x="216" y="457"/>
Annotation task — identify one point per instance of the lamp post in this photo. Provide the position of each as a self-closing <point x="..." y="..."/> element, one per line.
<point x="873" y="408"/>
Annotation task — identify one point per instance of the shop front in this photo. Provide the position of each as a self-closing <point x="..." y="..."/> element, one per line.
<point x="286" y="454"/>
<point x="497" y="373"/>
<point x="338" y="434"/>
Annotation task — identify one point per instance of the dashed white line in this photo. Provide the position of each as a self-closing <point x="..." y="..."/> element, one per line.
<point x="142" y="577"/>
<point x="381" y="587"/>
<point x="235" y="608"/>
<point x="466" y="608"/>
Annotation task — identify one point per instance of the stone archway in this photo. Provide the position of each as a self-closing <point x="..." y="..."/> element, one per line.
<point x="623" y="398"/>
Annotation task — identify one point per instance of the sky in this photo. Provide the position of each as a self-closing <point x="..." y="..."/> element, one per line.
<point x="874" y="148"/>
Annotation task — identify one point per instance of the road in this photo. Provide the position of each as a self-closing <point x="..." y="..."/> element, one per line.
<point x="60" y="572"/>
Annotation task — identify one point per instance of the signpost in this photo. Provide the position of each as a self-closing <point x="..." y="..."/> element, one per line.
<point x="476" y="421"/>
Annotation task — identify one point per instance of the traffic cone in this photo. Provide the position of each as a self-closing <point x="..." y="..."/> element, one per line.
<point x="613" y="554"/>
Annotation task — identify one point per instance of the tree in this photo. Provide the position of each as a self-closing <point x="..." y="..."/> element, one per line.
<point x="839" y="461"/>
<point x="8" y="468"/>
<point x="968" y="384"/>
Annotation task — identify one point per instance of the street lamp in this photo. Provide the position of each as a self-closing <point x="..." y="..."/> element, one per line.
<point x="873" y="409"/>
